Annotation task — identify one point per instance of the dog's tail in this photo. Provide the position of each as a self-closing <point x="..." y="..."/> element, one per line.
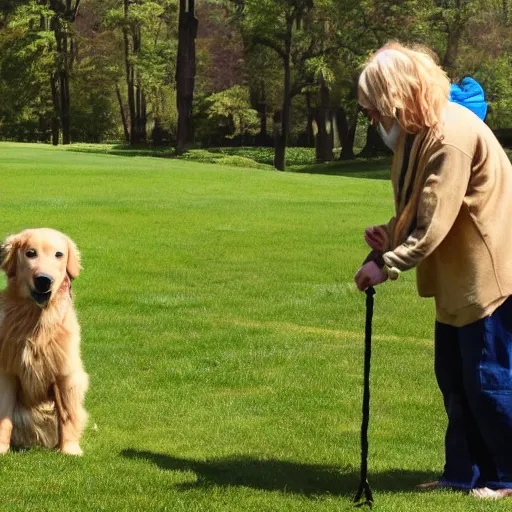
<point x="35" y="426"/>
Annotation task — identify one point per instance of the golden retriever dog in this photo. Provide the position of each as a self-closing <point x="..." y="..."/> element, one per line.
<point x="42" y="381"/>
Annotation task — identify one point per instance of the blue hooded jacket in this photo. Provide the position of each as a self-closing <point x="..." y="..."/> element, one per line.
<point x="469" y="93"/>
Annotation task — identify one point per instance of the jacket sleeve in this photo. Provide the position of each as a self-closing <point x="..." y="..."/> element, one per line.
<point x="389" y="229"/>
<point x="447" y="174"/>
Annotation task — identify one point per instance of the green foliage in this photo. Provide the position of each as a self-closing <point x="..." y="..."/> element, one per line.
<point x="496" y="79"/>
<point x="263" y="69"/>
<point x="93" y="116"/>
<point x="152" y="23"/>
<point x="232" y="109"/>
<point x="222" y="158"/>
<point x="330" y="40"/>
<point x="253" y="157"/>
<point x="94" y="108"/>
<point x="320" y="69"/>
<point x="26" y="60"/>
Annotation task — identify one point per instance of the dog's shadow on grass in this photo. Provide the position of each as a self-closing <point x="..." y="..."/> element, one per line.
<point x="277" y="475"/>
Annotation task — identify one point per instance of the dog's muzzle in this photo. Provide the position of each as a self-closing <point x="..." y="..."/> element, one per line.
<point x="42" y="288"/>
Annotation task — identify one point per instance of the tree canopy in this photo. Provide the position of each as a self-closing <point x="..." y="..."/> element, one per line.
<point x="255" y="72"/>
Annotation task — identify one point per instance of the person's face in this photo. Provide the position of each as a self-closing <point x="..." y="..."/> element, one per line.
<point x="373" y="115"/>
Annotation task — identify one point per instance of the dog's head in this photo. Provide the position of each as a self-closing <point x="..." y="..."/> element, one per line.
<point x="39" y="262"/>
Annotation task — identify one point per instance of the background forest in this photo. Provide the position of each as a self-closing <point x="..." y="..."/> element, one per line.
<point x="212" y="73"/>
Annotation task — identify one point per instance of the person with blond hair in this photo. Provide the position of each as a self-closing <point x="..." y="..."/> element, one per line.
<point x="452" y="184"/>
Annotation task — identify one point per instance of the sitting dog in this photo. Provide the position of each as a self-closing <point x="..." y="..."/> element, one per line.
<point x="42" y="381"/>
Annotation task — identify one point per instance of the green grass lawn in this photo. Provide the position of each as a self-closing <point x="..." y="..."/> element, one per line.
<point x="223" y="337"/>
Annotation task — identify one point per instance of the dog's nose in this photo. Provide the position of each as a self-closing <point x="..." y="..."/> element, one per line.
<point x="43" y="283"/>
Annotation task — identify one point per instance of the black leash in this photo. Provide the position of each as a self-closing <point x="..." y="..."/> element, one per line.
<point x="364" y="486"/>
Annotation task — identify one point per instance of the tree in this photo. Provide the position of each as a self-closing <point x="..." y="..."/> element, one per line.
<point x="94" y="70"/>
<point x="7" y="7"/>
<point x="232" y="107"/>
<point x="262" y="74"/>
<point x="185" y="71"/>
<point x="358" y="31"/>
<point x="27" y="59"/>
<point x="132" y="38"/>
<point x="291" y="30"/>
<point x="64" y="13"/>
<point x="37" y="19"/>
<point x="148" y="51"/>
<point x="452" y="17"/>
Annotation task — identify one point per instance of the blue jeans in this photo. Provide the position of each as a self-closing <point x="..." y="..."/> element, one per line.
<point x="473" y="367"/>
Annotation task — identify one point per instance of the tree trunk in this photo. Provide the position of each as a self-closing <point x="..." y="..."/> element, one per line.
<point x="64" y="14"/>
<point x="262" y="137"/>
<point x="56" y="113"/>
<point x="347" y="133"/>
<point x="258" y="98"/>
<point x="142" y="119"/>
<point x="454" y="31"/>
<point x="259" y="103"/>
<point x="185" y="72"/>
<point x="56" y="81"/>
<point x="138" y="114"/>
<point x="131" y="105"/>
<point x="130" y="77"/>
<point x="65" y="107"/>
<point x="282" y="139"/>
<point x="452" y="51"/>
<point x="64" y="89"/>
<point x="157" y="133"/>
<point x="43" y="129"/>
<point x="374" y="144"/>
<point x="43" y="121"/>
<point x="310" y="136"/>
<point x="123" y="115"/>
<point x="324" y="138"/>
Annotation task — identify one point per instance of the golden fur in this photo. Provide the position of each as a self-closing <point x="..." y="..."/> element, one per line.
<point x="42" y="381"/>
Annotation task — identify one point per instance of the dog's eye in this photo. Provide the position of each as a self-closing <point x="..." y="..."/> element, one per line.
<point x="58" y="254"/>
<point x="31" y="253"/>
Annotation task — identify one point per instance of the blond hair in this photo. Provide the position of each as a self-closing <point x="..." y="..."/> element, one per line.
<point x="407" y="81"/>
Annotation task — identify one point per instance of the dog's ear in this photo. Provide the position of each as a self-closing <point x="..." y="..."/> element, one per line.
<point x="8" y="250"/>
<point x="73" y="266"/>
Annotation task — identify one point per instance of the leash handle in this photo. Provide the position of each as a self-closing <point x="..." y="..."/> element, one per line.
<point x="364" y="486"/>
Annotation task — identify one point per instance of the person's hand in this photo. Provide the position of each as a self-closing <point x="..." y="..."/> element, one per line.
<point x="370" y="274"/>
<point x="377" y="238"/>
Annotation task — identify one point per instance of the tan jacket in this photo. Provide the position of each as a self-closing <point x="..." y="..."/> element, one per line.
<point x="454" y="217"/>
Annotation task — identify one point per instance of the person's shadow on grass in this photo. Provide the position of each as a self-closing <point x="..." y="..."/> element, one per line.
<point x="285" y="476"/>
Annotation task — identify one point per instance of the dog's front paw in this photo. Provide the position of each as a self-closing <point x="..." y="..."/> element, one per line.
<point x="4" y="448"/>
<point x="71" y="449"/>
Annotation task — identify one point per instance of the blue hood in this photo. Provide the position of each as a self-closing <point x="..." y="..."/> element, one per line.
<point x="470" y="94"/>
